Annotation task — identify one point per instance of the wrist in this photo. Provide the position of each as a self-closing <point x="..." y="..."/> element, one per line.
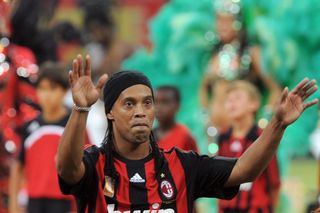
<point x="277" y="123"/>
<point x="80" y="108"/>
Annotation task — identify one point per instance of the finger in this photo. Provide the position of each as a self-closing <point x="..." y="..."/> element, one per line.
<point x="284" y="94"/>
<point x="70" y="75"/>
<point x="80" y="64"/>
<point x="309" y="85"/>
<point x="309" y="104"/>
<point x="75" y="67"/>
<point x="300" y="86"/>
<point x="310" y="92"/>
<point x="101" y="82"/>
<point x="87" y="69"/>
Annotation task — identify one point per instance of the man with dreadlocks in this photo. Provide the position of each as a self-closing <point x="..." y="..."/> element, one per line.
<point x="128" y="173"/>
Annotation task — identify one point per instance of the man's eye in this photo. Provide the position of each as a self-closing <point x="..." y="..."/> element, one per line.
<point x="148" y="102"/>
<point x="128" y="103"/>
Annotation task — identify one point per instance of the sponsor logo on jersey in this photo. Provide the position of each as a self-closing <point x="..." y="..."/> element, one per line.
<point x="136" y="178"/>
<point x="154" y="209"/>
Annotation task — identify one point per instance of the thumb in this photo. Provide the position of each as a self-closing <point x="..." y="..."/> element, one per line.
<point x="284" y="94"/>
<point x="102" y="80"/>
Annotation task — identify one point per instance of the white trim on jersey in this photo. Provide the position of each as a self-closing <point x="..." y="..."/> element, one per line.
<point x="44" y="130"/>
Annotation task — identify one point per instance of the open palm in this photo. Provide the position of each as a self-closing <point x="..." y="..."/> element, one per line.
<point x="84" y="92"/>
<point x="292" y="104"/>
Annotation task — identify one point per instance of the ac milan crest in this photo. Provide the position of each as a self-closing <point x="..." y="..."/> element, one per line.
<point x="167" y="189"/>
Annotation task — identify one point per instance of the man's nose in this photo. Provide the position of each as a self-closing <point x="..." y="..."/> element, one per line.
<point x="139" y="111"/>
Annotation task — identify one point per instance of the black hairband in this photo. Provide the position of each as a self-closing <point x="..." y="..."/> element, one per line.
<point x="119" y="82"/>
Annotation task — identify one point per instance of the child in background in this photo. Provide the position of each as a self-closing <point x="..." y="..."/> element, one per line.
<point x="170" y="133"/>
<point x="242" y="103"/>
<point x="41" y="136"/>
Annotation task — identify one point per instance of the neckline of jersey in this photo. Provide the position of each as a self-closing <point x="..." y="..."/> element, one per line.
<point x="133" y="162"/>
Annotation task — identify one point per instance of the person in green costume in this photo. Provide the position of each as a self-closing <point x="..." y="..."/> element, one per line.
<point x="232" y="58"/>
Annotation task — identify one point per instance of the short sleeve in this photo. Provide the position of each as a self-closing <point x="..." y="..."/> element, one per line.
<point x="213" y="173"/>
<point x="208" y="175"/>
<point x="89" y="180"/>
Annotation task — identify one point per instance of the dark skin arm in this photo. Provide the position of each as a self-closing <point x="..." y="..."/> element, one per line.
<point x="15" y="181"/>
<point x="69" y="162"/>
<point x="256" y="158"/>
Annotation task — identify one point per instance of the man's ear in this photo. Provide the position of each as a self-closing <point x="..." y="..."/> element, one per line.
<point x="110" y="116"/>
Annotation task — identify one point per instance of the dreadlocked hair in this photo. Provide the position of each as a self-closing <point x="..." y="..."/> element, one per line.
<point x="158" y="158"/>
<point x="107" y="144"/>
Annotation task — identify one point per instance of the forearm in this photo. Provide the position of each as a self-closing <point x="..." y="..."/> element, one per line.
<point x="274" y="196"/>
<point x="70" y="151"/>
<point x="14" y="186"/>
<point x="256" y="158"/>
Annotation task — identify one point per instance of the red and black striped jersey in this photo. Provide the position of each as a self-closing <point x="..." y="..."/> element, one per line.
<point x="139" y="189"/>
<point x="255" y="196"/>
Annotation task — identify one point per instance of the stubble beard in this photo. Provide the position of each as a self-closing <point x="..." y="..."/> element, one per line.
<point x="140" y="138"/>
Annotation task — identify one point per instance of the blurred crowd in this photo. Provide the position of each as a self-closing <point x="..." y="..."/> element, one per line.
<point x="31" y="37"/>
<point x="36" y="52"/>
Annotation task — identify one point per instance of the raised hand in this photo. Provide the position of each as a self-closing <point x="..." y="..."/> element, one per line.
<point x="292" y="104"/>
<point x="84" y="92"/>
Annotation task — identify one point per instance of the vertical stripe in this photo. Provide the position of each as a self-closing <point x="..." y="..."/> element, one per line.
<point x="152" y="186"/>
<point x="137" y="187"/>
<point x="238" y="200"/>
<point x="122" y="196"/>
<point x="100" y="204"/>
<point x="178" y="175"/>
<point x="249" y="140"/>
<point x="249" y="199"/>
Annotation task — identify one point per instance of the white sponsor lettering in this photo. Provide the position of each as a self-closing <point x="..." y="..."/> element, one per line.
<point x="110" y="209"/>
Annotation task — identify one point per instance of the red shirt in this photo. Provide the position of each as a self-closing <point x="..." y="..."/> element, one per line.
<point x="252" y="197"/>
<point x="180" y="137"/>
<point x="38" y="153"/>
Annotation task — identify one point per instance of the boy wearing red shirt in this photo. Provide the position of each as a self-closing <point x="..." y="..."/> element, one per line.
<point x="41" y="137"/>
<point x="242" y="103"/>
<point x="170" y="133"/>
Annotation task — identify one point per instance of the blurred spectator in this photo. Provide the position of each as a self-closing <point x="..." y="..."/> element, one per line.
<point x="94" y="5"/>
<point x="68" y="40"/>
<point x="232" y="58"/>
<point x="315" y="211"/>
<point x="107" y="52"/>
<point x="40" y="141"/>
<point x="167" y="101"/>
<point x="18" y="102"/>
<point x="315" y="151"/>
<point x="242" y="103"/>
<point x="31" y="27"/>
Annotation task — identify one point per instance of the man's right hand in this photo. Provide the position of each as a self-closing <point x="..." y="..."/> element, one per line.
<point x="84" y="92"/>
